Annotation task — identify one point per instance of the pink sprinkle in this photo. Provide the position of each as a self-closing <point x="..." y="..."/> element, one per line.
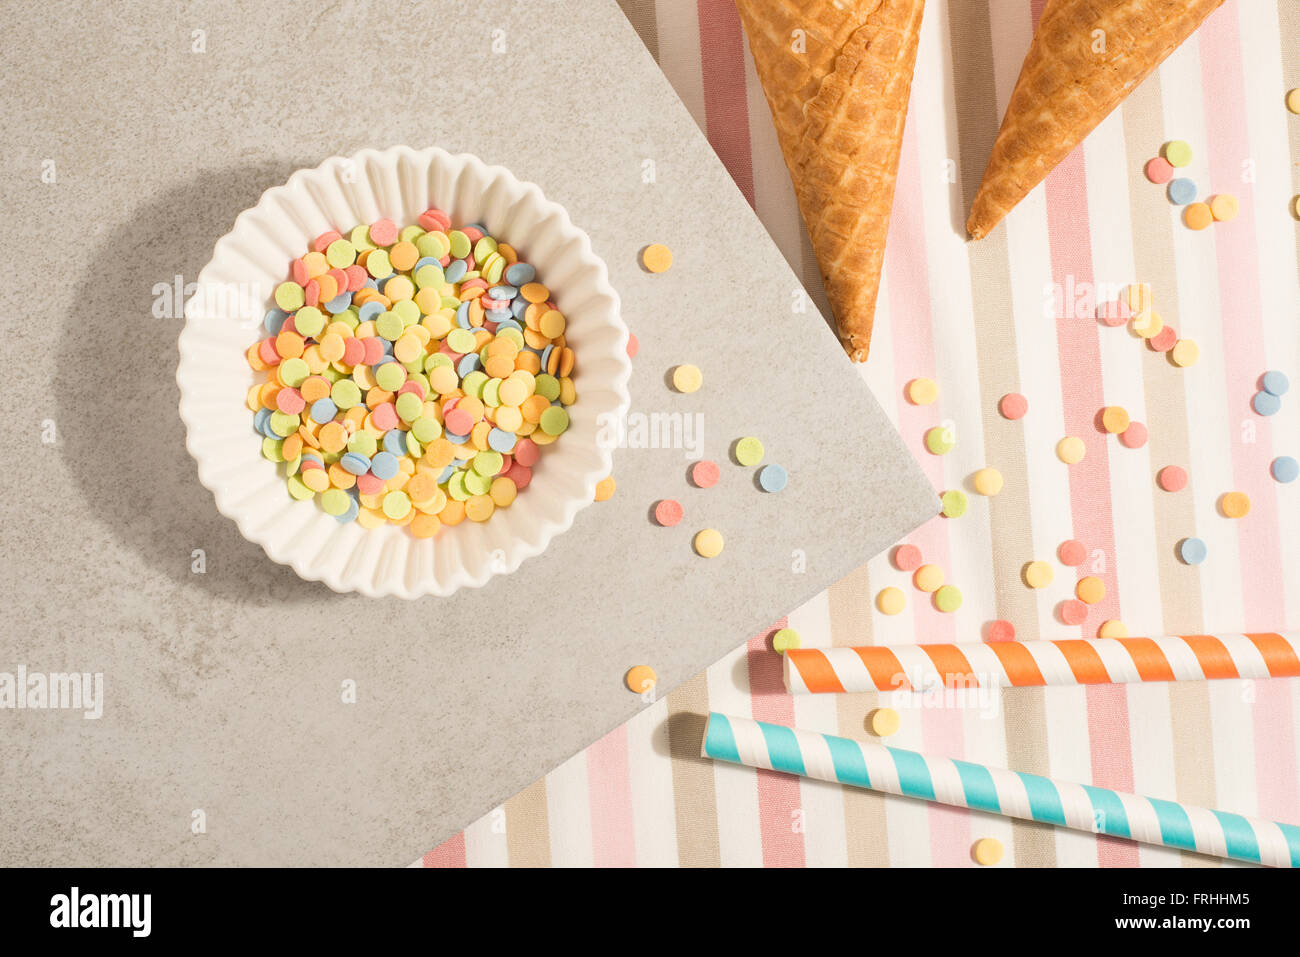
<point x="474" y="234"/>
<point x="507" y="462"/>
<point x="356" y="277"/>
<point x="632" y="346"/>
<point x="458" y="422"/>
<point x="385" y="416"/>
<point x="411" y="386"/>
<point x="1013" y="406"/>
<point x="290" y="401"/>
<point x="311" y="292"/>
<point x="1164" y="340"/>
<point x="434" y="220"/>
<point x="1172" y="478"/>
<point x="324" y="239"/>
<point x="354" y="351"/>
<point x="521" y="475"/>
<point x="266" y="352"/>
<point x="1073" y="611"/>
<point x="1134" y="437"/>
<point x="383" y="232"/>
<point x="1072" y="553"/>
<point x="668" y="512"/>
<point x="1113" y="313"/>
<point x="298" y="272"/>
<point x="1159" y="170"/>
<point x="705" y="474"/>
<point x="527" y="452"/>
<point x="907" y="558"/>
<point x="374" y="350"/>
<point x="1001" y="630"/>
<point x="369" y="484"/>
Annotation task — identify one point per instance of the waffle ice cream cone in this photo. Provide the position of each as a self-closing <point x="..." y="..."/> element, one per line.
<point x="837" y="74"/>
<point x="1086" y="57"/>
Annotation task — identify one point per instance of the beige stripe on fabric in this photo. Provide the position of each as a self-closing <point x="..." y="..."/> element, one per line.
<point x="528" y="829"/>
<point x="1170" y="444"/>
<point x="694" y="800"/>
<point x="865" y="833"/>
<point x="641" y="14"/>
<point x="995" y="349"/>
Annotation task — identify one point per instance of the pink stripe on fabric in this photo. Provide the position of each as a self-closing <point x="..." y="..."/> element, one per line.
<point x="609" y="794"/>
<point x="450" y="853"/>
<point x="1079" y="351"/>
<point x="779" y="800"/>
<point x="1245" y="357"/>
<point x="911" y="326"/>
<point x="726" y="109"/>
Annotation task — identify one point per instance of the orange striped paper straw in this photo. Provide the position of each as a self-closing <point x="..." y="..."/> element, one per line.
<point x="1017" y="664"/>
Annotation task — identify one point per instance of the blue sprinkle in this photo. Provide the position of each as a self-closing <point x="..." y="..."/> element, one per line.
<point x="467" y="364"/>
<point x="447" y="473"/>
<point x="275" y="319"/>
<point x="456" y="270"/>
<point x="503" y="292"/>
<point x="1192" y="551"/>
<point x="371" y="283"/>
<point x="772" y="478"/>
<point x="518" y="307"/>
<point x="501" y="441"/>
<point x="355" y="462"/>
<point x="383" y="465"/>
<point x="260" y="420"/>
<point x="422" y="262"/>
<point x="395" y="442"/>
<point x="323" y="410"/>
<point x="1266" y="403"/>
<point x="520" y="273"/>
<point x="462" y="315"/>
<point x="353" y="508"/>
<point x="546" y="357"/>
<point x="1275" y="383"/>
<point x="382" y="360"/>
<point x="1285" y="468"/>
<point x="511" y="324"/>
<point x="371" y="310"/>
<point x="1181" y="191"/>
<point x="455" y="439"/>
<point x="339" y="303"/>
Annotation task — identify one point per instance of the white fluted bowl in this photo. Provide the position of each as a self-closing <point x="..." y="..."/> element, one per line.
<point x="224" y="317"/>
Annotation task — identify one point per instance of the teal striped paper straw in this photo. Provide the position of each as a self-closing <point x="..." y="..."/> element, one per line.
<point x="866" y="764"/>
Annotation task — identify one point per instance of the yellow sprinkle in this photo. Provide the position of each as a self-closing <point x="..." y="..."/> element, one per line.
<point x="784" y="639"/>
<point x="1293" y="100"/>
<point x="708" y="543"/>
<point x="890" y="601"/>
<point x="928" y="578"/>
<point x="988" y="481"/>
<point x="687" y="378"/>
<point x="1185" y="353"/>
<point x="641" y="678"/>
<point x="884" y="722"/>
<point x="1147" y="324"/>
<point x="1071" y="450"/>
<point x="1038" y="574"/>
<point x="656" y="257"/>
<point x="1114" y="628"/>
<point x="922" y="391"/>
<point x="1090" y="590"/>
<point x="1235" y="504"/>
<point x="987" y="851"/>
<point x="605" y="489"/>
<point x="1115" y="419"/>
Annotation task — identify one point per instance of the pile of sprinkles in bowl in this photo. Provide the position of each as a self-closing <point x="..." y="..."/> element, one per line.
<point x="412" y="376"/>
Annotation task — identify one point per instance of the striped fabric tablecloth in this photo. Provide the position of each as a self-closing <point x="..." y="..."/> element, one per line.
<point x="1011" y="313"/>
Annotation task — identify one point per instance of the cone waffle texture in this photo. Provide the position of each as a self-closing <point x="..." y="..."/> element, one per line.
<point x="1086" y="57"/>
<point x="837" y="74"/>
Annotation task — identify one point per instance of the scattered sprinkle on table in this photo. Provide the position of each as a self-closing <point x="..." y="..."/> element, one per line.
<point x="1159" y="170"/>
<point x="656" y="257"/>
<point x="1285" y="469"/>
<point x="1164" y="340"/>
<point x="922" y="391"/>
<point x="1275" y="382"/>
<point x="1197" y="216"/>
<point x="772" y="478"/>
<point x="1266" y="403"/>
<point x="1090" y="589"/>
<point x="1134" y="437"/>
<point x="633" y="345"/>
<point x="687" y="378"/>
<point x="891" y="600"/>
<point x="1113" y="628"/>
<point x="708" y="543"/>
<point x="954" y="503"/>
<point x="749" y="451"/>
<point x="1235" y="504"/>
<point x="1224" y="206"/>
<point x="1072" y="552"/>
<point x="1192" y="551"/>
<point x="605" y="489"/>
<point x="884" y="722"/>
<point x="1038" y="574"/>
<point x="1185" y="353"/>
<point x="1147" y="324"/>
<point x="987" y="851"/>
<point x="1114" y="418"/>
<point x="947" y="598"/>
<point x="928" y="578"/>
<point x="705" y="474"/>
<point x="1001" y="630"/>
<point x="785" y="639"/>
<point x="939" y="440"/>
<point x="1293" y="100"/>
<point x="1172" y="478"/>
<point x="1071" y="450"/>
<point x="907" y="558"/>
<point x="640" y="678"/>
<point x="1114" y="313"/>
<point x="988" y="481"/>
<point x="1073" y="611"/>
<point x="668" y="512"/>
<point x="1013" y="406"/>
<point x="1178" y="153"/>
<point x="1181" y="191"/>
